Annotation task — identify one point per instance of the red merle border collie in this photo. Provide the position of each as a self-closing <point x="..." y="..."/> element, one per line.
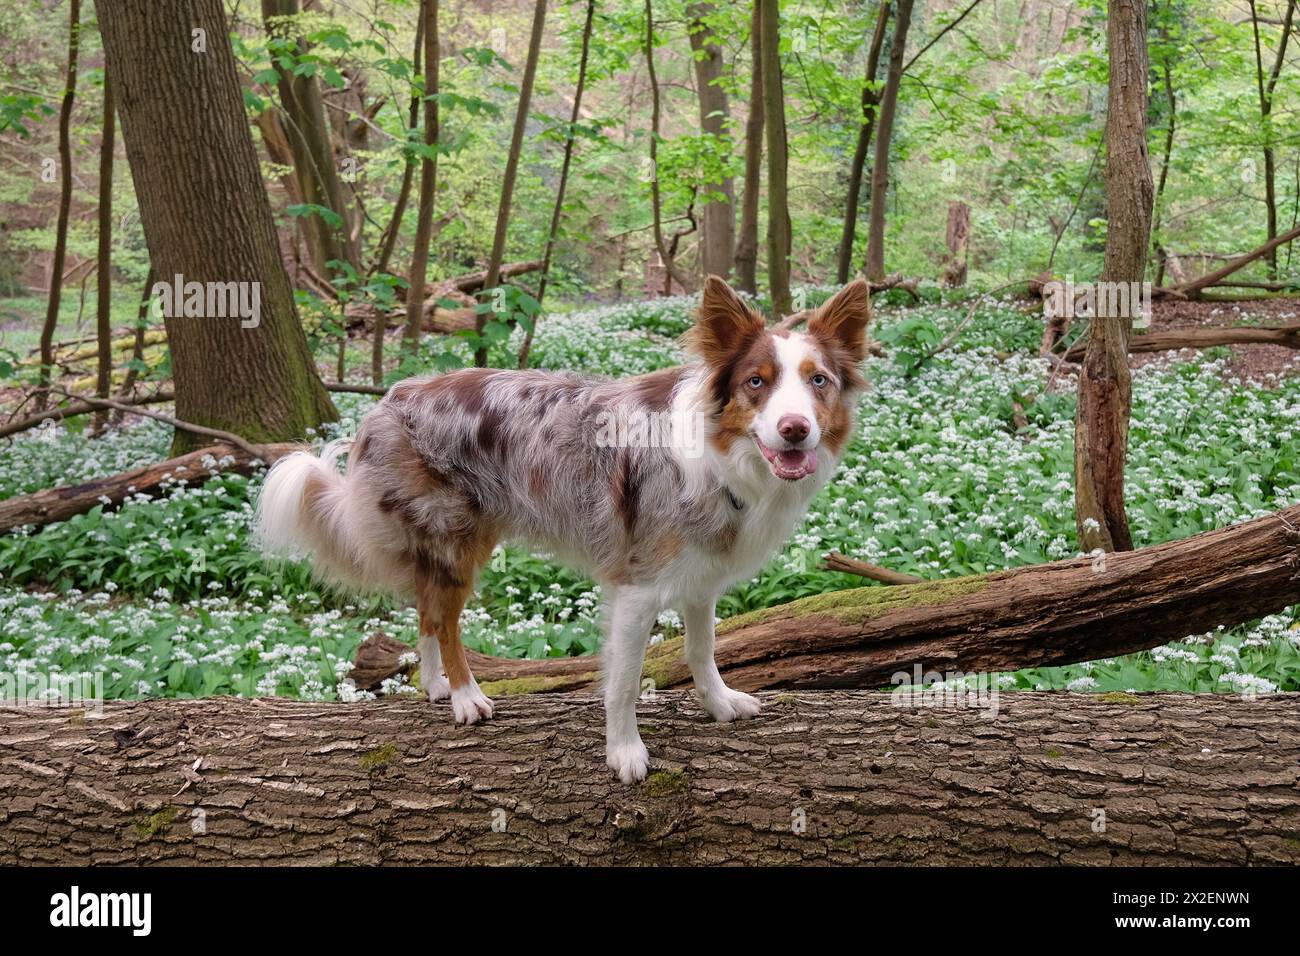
<point x="448" y="465"/>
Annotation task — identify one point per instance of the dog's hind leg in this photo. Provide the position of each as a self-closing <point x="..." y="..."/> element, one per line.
<point x="442" y="586"/>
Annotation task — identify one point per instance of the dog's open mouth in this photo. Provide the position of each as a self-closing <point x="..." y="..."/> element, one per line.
<point x="791" y="464"/>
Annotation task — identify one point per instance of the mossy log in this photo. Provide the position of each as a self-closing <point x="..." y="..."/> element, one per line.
<point x="825" y="777"/>
<point x="1058" y="613"/>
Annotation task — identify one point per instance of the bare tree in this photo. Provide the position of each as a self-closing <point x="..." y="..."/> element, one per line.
<point x="667" y="249"/>
<point x="570" y="136"/>
<point x="747" y="244"/>
<point x="1267" y="87"/>
<point x="512" y="170"/>
<point x="778" y="207"/>
<point x="104" y="251"/>
<point x="1102" y="416"/>
<point x="870" y="101"/>
<point x="419" y="270"/>
<point x="875" y="267"/>
<point x="389" y="239"/>
<point x="65" y="203"/>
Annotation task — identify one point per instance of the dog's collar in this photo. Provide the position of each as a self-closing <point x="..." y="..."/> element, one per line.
<point x="735" y="502"/>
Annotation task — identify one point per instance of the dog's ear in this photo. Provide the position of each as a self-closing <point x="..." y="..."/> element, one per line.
<point x="842" y="321"/>
<point x="723" y="324"/>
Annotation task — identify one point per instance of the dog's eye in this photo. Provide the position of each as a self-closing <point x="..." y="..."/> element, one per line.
<point x="819" y="380"/>
<point x="756" y="381"/>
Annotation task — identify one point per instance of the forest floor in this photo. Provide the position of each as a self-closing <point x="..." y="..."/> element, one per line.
<point x="169" y="598"/>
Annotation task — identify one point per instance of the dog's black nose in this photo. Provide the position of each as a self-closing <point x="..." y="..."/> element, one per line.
<point x="793" y="428"/>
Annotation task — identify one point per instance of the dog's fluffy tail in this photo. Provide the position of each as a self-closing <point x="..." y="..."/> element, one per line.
<point x="308" y="509"/>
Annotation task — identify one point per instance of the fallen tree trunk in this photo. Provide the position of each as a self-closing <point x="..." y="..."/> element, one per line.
<point x="818" y="778"/>
<point x="1036" y="616"/>
<point x="196" y="467"/>
<point x="1186" y="289"/>
<point x="1204" y="337"/>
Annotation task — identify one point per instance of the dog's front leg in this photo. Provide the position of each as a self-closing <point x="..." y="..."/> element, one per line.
<point x="631" y="615"/>
<point x="718" y="699"/>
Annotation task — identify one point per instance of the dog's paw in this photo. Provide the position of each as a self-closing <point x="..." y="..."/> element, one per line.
<point x="469" y="705"/>
<point x="630" y="761"/>
<point x="436" y="688"/>
<point x="728" y="705"/>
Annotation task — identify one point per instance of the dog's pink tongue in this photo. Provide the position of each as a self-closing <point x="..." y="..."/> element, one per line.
<point x="796" y="463"/>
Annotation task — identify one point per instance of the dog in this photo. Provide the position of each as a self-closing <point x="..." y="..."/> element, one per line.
<point x="445" y="466"/>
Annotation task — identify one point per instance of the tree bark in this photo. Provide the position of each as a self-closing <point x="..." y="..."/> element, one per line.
<point x="870" y="100"/>
<point x="778" y="207"/>
<point x="875" y="266"/>
<point x="65" y="203"/>
<point x="207" y="218"/>
<point x="1063" y="612"/>
<point x="512" y="168"/>
<point x="60" y="504"/>
<point x="570" y="137"/>
<point x="836" y="778"/>
<point x="717" y="213"/>
<point x="104" y="252"/>
<point x="419" y="270"/>
<point x="747" y="242"/>
<point x="1102" y="415"/>
<point x="958" y="235"/>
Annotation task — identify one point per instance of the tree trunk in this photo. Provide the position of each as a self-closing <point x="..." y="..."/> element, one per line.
<point x="958" y="235"/>
<point x="747" y="245"/>
<point x="875" y="265"/>
<point x="870" y="100"/>
<point x="570" y="137"/>
<point x="665" y="249"/>
<point x="1266" y="89"/>
<point x="388" y="241"/>
<point x="842" y="778"/>
<point x="1171" y="107"/>
<point x="717" y="214"/>
<point x="419" y="271"/>
<point x="308" y="134"/>
<point x="207" y="218"/>
<point x="104" y="252"/>
<point x="512" y="168"/>
<point x="1044" y="615"/>
<point x="65" y="204"/>
<point x="195" y="467"/>
<point x="142" y="318"/>
<point x="778" y="206"/>
<point x="1101" y="419"/>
